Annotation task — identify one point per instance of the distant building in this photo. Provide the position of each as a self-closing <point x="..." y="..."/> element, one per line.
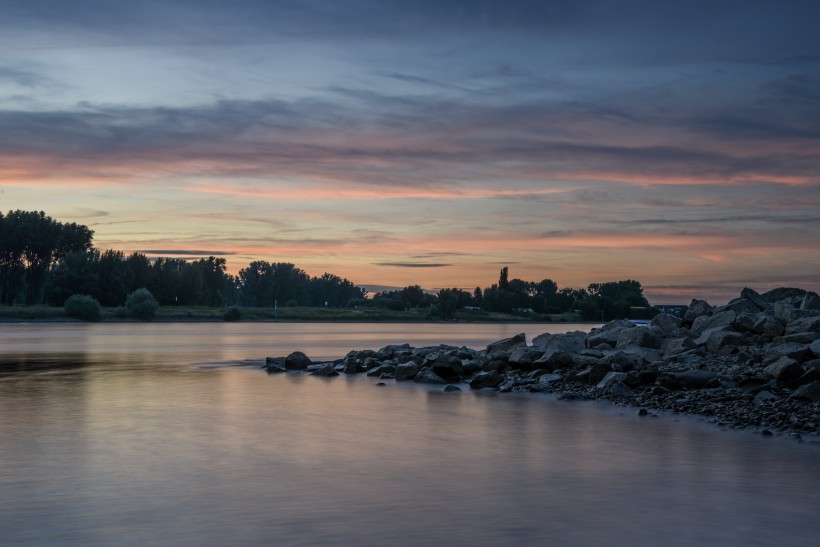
<point x="678" y="310"/>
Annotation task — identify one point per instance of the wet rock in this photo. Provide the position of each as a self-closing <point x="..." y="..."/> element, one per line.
<point x="427" y="376"/>
<point x="451" y="387"/>
<point x="784" y="369"/>
<point x="809" y="392"/>
<point x="697" y="308"/>
<point x="326" y="370"/>
<point x="506" y="345"/>
<point x="381" y="370"/>
<point x="274" y="365"/>
<point x="486" y="379"/>
<point x="297" y="361"/>
<point x="406" y="371"/>
<point x="448" y="367"/>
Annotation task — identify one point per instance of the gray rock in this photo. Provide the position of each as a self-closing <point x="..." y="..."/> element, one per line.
<point x="784" y="369"/>
<point x="722" y="319"/>
<point x="570" y="342"/>
<point x="620" y="389"/>
<point x="688" y="379"/>
<point x="811" y="301"/>
<point x="377" y="372"/>
<point x="552" y="360"/>
<point x="448" y="367"/>
<point x="740" y="305"/>
<point x="427" y="376"/>
<point x="406" y="371"/>
<point x="677" y="346"/>
<point x="506" y="344"/>
<point x="756" y="299"/>
<point x="720" y="339"/>
<point x="798" y="352"/>
<point x="326" y="369"/>
<point x="486" y="379"/>
<point x="592" y="374"/>
<point x="451" y="387"/>
<point x="611" y="379"/>
<point x="668" y="324"/>
<point x="798" y="338"/>
<point x="745" y="322"/>
<point x="782" y="293"/>
<point x="697" y="308"/>
<point x="809" y="392"/>
<point x="644" y="337"/>
<point x="274" y="365"/>
<point x="297" y="361"/>
<point x="524" y="356"/>
<point x="815" y="348"/>
<point x="806" y="324"/>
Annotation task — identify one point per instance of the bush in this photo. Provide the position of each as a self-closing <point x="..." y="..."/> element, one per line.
<point x="234" y="313"/>
<point x="82" y="306"/>
<point x="141" y="304"/>
<point x="292" y="303"/>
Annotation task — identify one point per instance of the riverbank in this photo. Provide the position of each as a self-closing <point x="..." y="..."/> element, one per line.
<point x="754" y="363"/>
<point x="363" y="315"/>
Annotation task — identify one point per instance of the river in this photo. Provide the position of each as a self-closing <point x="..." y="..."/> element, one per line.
<point x="163" y="434"/>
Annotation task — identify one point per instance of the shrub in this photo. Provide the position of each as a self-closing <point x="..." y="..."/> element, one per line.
<point x="141" y="304"/>
<point x="234" y="313"/>
<point x="292" y="303"/>
<point x="82" y="306"/>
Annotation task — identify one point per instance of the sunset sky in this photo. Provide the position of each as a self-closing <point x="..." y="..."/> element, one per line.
<point x="428" y="142"/>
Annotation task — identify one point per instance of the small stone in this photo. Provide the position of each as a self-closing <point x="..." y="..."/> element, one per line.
<point x="766" y="433"/>
<point x="451" y="387"/>
<point x="381" y="384"/>
<point x="643" y="412"/>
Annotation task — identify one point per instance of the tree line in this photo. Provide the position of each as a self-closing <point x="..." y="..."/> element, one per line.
<point x="46" y="261"/>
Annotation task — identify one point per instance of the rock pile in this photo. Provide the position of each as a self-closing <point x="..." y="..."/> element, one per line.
<point x="754" y="362"/>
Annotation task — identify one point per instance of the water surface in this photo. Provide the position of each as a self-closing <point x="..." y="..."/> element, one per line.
<point x="131" y="435"/>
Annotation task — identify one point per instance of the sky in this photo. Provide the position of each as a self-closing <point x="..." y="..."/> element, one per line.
<point x="428" y="142"/>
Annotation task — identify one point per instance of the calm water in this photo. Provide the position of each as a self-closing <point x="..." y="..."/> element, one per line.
<point x="150" y="434"/>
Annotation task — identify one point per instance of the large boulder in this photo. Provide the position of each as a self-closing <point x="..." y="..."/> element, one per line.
<point x="721" y="319"/>
<point x="274" y="364"/>
<point x="668" y="324"/>
<point x="525" y="356"/>
<point x="449" y="368"/>
<point x="792" y="350"/>
<point x="740" y="305"/>
<point x="607" y="335"/>
<point x="406" y="371"/>
<point x="721" y="338"/>
<point x="697" y="308"/>
<point x="677" y="346"/>
<point x="552" y="360"/>
<point x="506" y="345"/>
<point x="644" y="337"/>
<point x="486" y="379"/>
<point x="324" y="369"/>
<point x="592" y="374"/>
<point x="756" y="299"/>
<point x="782" y="293"/>
<point x="297" y="361"/>
<point x="689" y="379"/>
<point x="427" y="376"/>
<point x="386" y="369"/>
<point x="784" y="369"/>
<point x="571" y="342"/>
<point x="768" y="325"/>
<point x="809" y="392"/>
<point x="811" y="301"/>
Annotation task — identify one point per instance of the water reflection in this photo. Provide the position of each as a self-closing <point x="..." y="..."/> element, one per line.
<point x="141" y="446"/>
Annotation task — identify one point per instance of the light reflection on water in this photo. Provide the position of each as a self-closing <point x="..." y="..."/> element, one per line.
<point x="114" y="445"/>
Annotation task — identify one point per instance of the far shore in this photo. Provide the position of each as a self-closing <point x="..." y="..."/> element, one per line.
<point x="196" y="314"/>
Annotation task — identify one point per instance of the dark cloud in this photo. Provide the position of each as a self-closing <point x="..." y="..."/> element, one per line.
<point x="185" y="252"/>
<point x="412" y="264"/>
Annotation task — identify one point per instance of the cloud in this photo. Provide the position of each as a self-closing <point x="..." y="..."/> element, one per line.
<point x="185" y="252"/>
<point x="413" y="264"/>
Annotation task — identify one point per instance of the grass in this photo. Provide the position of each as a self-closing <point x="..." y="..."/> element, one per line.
<point x="363" y="314"/>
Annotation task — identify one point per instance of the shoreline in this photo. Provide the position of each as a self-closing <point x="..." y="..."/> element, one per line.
<point x="751" y="364"/>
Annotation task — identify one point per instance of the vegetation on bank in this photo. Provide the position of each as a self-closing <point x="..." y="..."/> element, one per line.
<point x="43" y="261"/>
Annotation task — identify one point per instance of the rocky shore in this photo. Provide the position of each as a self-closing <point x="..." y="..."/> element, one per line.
<point x="753" y="363"/>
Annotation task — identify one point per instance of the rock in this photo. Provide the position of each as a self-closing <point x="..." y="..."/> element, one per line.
<point x="592" y="374"/>
<point x="722" y="319"/>
<point x="811" y="301"/>
<point x="506" y="344"/>
<point x="406" y="371"/>
<point x="782" y="293"/>
<point x="809" y="392"/>
<point x="297" y="361"/>
<point x="765" y="396"/>
<point x="688" y="379"/>
<point x="486" y="379"/>
<point x="668" y="324"/>
<point x="677" y="346"/>
<point x="720" y="339"/>
<point x="815" y="348"/>
<point x="645" y="337"/>
<point x="769" y="325"/>
<point x="570" y="342"/>
<point x="274" y="365"/>
<point x="377" y="372"/>
<point x="784" y="369"/>
<point x="427" y="376"/>
<point x="524" y="356"/>
<point x="806" y="324"/>
<point x="697" y="308"/>
<point x="552" y="360"/>
<point x="745" y="322"/>
<point x="741" y="305"/>
<point x="620" y="389"/>
<point x="798" y="338"/>
<point x="756" y="299"/>
<point x="448" y="367"/>
<point x="381" y="384"/>
<point x="451" y="387"/>
<point x="327" y="370"/>
<point x="611" y="379"/>
<point x="798" y="352"/>
<point x="643" y="412"/>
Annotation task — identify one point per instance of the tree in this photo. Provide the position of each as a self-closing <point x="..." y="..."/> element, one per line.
<point x="141" y="304"/>
<point x="503" y="278"/>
